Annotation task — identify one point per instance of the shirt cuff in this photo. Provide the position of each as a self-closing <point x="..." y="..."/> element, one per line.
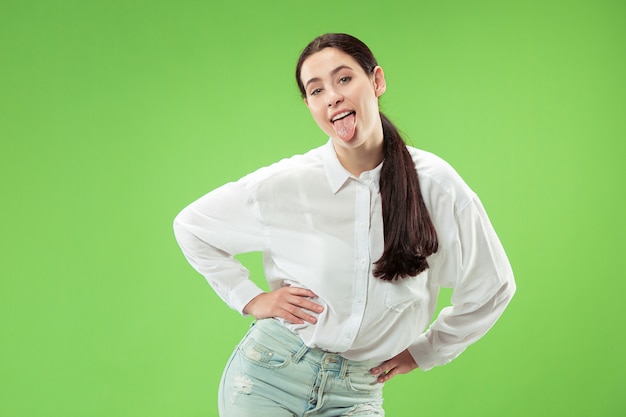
<point x="242" y="294"/>
<point x="425" y="355"/>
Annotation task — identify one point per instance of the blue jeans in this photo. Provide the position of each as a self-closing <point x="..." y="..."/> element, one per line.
<point x="273" y="374"/>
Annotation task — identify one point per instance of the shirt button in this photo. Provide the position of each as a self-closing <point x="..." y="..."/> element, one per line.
<point x="362" y="261"/>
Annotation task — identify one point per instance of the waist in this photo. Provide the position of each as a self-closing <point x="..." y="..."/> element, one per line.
<point x="292" y="342"/>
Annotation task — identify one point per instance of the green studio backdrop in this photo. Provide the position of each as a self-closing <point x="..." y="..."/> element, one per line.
<point x="114" y="115"/>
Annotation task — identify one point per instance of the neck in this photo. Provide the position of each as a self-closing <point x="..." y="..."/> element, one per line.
<point x="361" y="158"/>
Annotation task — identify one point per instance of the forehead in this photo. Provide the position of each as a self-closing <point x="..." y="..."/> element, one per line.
<point x="322" y="63"/>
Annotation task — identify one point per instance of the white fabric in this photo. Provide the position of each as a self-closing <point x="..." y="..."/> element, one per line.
<point x="320" y="228"/>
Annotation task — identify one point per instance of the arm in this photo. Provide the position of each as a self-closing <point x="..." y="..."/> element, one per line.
<point x="221" y="224"/>
<point x="479" y="272"/>
<point x="214" y="228"/>
<point x="482" y="285"/>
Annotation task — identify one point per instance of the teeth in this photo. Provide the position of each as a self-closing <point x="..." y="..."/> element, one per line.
<point x="341" y="116"/>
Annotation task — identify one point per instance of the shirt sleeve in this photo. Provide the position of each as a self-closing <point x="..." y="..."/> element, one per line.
<point x="482" y="281"/>
<point x="212" y="229"/>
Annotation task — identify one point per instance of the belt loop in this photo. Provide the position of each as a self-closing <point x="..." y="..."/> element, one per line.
<point x="344" y="367"/>
<point x="300" y="353"/>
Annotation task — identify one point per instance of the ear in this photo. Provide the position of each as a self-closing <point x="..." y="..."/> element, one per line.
<point x="306" y="102"/>
<point x="380" y="86"/>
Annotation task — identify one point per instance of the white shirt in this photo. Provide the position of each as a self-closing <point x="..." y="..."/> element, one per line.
<point x="320" y="228"/>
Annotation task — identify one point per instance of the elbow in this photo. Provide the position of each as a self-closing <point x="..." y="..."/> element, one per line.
<point x="180" y="228"/>
<point x="176" y="226"/>
<point x="507" y="290"/>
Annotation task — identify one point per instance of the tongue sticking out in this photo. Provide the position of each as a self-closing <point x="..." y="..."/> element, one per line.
<point x="345" y="127"/>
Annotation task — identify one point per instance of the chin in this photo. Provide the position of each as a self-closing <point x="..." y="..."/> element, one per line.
<point x="352" y="143"/>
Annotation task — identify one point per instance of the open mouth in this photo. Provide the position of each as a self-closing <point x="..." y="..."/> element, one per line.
<point x="344" y="124"/>
<point x="342" y="116"/>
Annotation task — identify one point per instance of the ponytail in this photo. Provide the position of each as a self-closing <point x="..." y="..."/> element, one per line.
<point x="409" y="234"/>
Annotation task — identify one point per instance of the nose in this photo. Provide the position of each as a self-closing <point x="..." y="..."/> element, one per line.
<point x="333" y="97"/>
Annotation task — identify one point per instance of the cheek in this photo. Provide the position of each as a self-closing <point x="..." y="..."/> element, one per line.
<point x="318" y="116"/>
<point x="370" y="107"/>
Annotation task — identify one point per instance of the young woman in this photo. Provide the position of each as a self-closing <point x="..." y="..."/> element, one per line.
<point x="357" y="237"/>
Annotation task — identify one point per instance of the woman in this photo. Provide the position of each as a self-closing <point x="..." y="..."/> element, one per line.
<point x="357" y="236"/>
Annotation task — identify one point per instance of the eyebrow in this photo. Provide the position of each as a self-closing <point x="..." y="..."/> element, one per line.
<point x="333" y="72"/>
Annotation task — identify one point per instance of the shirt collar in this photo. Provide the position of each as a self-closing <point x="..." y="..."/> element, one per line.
<point x="337" y="175"/>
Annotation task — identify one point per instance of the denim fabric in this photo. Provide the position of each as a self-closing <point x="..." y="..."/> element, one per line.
<point x="273" y="374"/>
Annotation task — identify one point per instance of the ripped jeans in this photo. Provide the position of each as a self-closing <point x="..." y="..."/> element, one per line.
<point x="273" y="374"/>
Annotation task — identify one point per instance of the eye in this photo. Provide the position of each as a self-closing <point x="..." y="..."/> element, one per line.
<point x="345" y="80"/>
<point x="315" y="92"/>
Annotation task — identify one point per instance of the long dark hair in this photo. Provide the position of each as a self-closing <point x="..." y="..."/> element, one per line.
<point x="409" y="234"/>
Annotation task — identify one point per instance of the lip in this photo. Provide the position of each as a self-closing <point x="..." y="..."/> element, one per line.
<point x="337" y="113"/>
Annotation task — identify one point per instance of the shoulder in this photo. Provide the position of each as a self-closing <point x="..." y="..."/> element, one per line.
<point x="286" y="169"/>
<point x="439" y="181"/>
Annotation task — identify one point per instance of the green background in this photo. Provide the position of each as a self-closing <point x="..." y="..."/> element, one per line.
<point x="114" y="115"/>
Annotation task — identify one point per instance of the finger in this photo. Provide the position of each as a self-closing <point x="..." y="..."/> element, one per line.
<point x="383" y="368"/>
<point x="301" y="292"/>
<point x="293" y="311"/>
<point x="300" y="297"/>
<point x="301" y="314"/>
<point x="385" y="371"/>
<point x="387" y="374"/>
<point x="307" y="304"/>
<point x="288" y="316"/>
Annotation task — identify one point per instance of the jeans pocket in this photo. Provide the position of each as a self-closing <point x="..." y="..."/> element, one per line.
<point x="364" y="383"/>
<point x="264" y="356"/>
